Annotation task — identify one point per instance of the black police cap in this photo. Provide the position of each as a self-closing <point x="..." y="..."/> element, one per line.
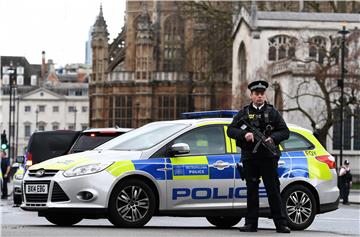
<point x="258" y="85"/>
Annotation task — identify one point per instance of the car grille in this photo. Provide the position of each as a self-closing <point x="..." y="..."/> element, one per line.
<point x="48" y="173"/>
<point x="36" y="198"/>
<point x="58" y="195"/>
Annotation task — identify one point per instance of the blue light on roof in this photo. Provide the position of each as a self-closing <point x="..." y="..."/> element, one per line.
<point x="209" y="114"/>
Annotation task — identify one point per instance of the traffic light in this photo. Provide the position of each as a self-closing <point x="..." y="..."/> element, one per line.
<point x="4" y="141"/>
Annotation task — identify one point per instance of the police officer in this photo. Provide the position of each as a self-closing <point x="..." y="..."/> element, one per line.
<point x="5" y="170"/>
<point x="345" y="182"/>
<point x="260" y="162"/>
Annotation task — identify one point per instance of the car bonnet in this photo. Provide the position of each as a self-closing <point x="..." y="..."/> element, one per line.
<point x="88" y="157"/>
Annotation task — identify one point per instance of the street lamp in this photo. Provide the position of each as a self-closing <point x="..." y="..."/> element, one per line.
<point x="343" y="32"/>
<point x="11" y="71"/>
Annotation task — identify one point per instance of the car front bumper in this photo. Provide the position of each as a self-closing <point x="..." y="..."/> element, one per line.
<point x="65" y="192"/>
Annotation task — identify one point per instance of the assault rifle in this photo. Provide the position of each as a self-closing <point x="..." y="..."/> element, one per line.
<point x="260" y="137"/>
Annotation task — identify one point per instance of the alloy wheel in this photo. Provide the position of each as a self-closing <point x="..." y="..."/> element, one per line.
<point x="132" y="203"/>
<point x="299" y="207"/>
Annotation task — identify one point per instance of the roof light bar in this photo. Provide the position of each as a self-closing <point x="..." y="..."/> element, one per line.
<point x="209" y="114"/>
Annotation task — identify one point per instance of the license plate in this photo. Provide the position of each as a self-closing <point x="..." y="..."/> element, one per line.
<point x="36" y="188"/>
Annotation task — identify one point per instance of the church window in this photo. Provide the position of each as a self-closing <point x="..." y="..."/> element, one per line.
<point x="281" y="47"/>
<point x="317" y="48"/>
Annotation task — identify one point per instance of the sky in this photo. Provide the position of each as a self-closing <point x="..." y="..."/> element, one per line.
<point x="58" y="27"/>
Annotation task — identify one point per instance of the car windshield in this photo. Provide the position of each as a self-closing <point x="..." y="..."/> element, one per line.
<point x="144" y="137"/>
<point x="90" y="140"/>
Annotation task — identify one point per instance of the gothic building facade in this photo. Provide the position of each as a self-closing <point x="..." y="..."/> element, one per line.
<point x="144" y="74"/>
<point x="151" y="70"/>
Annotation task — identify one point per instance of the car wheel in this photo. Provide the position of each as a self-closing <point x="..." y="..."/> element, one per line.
<point x="132" y="204"/>
<point x="300" y="207"/>
<point x="63" y="220"/>
<point x="17" y="199"/>
<point x="223" y="221"/>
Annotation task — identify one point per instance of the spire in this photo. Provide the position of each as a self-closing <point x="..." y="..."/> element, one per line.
<point x="101" y="11"/>
<point x="100" y="27"/>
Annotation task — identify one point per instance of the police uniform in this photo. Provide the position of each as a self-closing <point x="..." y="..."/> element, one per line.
<point x="263" y="163"/>
<point x="345" y="180"/>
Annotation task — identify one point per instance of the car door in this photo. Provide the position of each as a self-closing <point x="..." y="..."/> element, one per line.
<point x="204" y="178"/>
<point x="239" y="191"/>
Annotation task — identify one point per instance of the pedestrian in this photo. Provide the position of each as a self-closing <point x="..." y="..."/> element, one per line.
<point x="345" y="182"/>
<point x="260" y="162"/>
<point x="5" y="169"/>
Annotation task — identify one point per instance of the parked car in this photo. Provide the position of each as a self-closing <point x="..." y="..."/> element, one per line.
<point x="44" y="145"/>
<point x="178" y="168"/>
<point x="93" y="137"/>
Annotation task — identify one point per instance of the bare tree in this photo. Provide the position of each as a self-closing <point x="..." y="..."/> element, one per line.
<point x="315" y="80"/>
<point x="210" y="50"/>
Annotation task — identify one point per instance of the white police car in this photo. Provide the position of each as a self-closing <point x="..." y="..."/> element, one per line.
<point x="177" y="168"/>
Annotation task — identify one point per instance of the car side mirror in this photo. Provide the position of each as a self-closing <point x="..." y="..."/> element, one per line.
<point x="20" y="159"/>
<point x="179" y="149"/>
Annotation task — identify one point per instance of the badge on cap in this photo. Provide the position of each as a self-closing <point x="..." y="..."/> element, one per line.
<point x="258" y="85"/>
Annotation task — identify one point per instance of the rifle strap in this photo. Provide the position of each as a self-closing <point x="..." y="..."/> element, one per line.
<point x="266" y="114"/>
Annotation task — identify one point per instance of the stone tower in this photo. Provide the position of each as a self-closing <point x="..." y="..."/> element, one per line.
<point x="146" y="77"/>
<point x="99" y="46"/>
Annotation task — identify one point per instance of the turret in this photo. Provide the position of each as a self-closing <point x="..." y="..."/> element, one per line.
<point x="99" y="47"/>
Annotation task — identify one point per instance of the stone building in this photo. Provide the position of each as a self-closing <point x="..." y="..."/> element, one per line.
<point x="43" y="99"/>
<point x="142" y="75"/>
<point x="294" y="51"/>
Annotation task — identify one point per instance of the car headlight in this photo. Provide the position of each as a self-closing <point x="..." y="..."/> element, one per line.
<point x="19" y="176"/>
<point x="86" y="169"/>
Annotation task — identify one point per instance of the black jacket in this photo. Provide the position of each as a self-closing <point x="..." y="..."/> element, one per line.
<point x="279" y="133"/>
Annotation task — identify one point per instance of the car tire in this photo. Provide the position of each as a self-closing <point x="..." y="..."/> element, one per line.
<point x="63" y="220"/>
<point x="132" y="204"/>
<point x="300" y="207"/>
<point x="223" y="221"/>
<point x="17" y="199"/>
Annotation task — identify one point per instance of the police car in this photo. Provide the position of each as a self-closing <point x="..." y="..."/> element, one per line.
<point x="177" y="168"/>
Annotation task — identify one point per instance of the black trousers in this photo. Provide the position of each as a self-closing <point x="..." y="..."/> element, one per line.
<point x="267" y="170"/>
<point x="4" y="188"/>
<point x="344" y="191"/>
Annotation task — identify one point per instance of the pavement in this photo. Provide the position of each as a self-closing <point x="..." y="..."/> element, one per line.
<point x="354" y="196"/>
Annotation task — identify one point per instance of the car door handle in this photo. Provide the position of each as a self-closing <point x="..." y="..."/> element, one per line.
<point x="220" y="165"/>
<point x="281" y="162"/>
<point x="164" y="169"/>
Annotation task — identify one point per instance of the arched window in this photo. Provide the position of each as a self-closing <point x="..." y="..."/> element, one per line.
<point x="336" y="49"/>
<point x="173" y="44"/>
<point x="281" y="47"/>
<point x="317" y="48"/>
<point x="242" y="63"/>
